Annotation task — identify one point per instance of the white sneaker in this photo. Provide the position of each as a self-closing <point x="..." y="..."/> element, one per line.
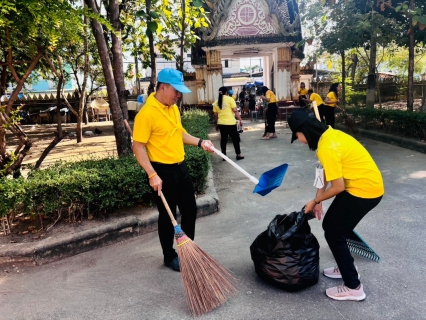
<point x="344" y="293"/>
<point x="334" y="272"/>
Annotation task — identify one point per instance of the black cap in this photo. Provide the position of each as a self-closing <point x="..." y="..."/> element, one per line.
<point x="296" y="119"/>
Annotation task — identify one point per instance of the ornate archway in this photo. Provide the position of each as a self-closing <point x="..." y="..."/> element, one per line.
<point x="250" y="28"/>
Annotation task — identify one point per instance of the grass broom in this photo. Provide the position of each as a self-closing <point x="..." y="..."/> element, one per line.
<point x="207" y="284"/>
<point x="349" y="122"/>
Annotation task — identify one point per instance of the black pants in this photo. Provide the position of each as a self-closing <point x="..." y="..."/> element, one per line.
<point x="178" y="191"/>
<point x="344" y="213"/>
<point x="271" y="117"/>
<point x="326" y="114"/>
<point x="230" y="130"/>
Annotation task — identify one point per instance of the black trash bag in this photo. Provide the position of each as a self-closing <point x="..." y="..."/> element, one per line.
<point x="287" y="253"/>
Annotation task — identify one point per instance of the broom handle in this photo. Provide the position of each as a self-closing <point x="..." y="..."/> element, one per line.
<point x="252" y="179"/>
<point x="168" y="210"/>
<point x="314" y="104"/>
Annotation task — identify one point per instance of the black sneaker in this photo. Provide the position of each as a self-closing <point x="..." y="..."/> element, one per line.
<point x="173" y="264"/>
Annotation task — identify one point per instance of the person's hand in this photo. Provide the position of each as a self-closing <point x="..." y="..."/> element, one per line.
<point x="207" y="145"/>
<point x="217" y="127"/>
<point x="241" y="123"/>
<point x="156" y="183"/>
<point x="309" y="206"/>
<point x="319" y="213"/>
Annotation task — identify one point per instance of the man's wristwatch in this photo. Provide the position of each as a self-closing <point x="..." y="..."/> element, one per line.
<point x="200" y="142"/>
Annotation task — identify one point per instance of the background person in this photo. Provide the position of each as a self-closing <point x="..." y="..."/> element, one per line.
<point x="252" y="103"/>
<point x="327" y="110"/>
<point x="225" y="111"/>
<point x="312" y="96"/>
<point x="271" y="113"/>
<point x="303" y="94"/>
<point x="158" y="144"/>
<point x="356" y="184"/>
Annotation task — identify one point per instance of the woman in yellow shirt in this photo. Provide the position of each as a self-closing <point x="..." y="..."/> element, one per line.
<point x="225" y="111"/>
<point x="271" y="113"/>
<point x="327" y="110"/>
<point x="356" y="184"/>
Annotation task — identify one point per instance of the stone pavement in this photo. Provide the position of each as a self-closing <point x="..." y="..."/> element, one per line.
<point x="144" y="219"/>
<point x="128" y="280"/>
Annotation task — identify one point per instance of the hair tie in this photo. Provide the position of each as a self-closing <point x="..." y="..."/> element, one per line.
<point x="220" y="92"/>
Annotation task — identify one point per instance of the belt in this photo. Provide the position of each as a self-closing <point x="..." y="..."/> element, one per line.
<point x="167" y="164"/>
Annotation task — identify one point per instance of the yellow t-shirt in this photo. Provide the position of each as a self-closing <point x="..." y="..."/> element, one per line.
<point x="226" y="115"/>
<point x="343" y="156"/>
<point x="333" y="99"/>
<point x="303" y="91"/>
<point x="271" y="96"/>
<point x="316" y="97"/>
<point x="159" y="127"/>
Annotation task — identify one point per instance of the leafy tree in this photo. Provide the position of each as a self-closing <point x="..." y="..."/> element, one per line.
<point x="112" y="65"/>
<point x="41" y="23"/>
<point x="412" y="15"/>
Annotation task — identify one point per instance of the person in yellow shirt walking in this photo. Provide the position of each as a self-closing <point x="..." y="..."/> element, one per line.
<point x="271" y="113"/>
<point x="356" y="184"/>
<point x="158" y="144"/>
<point x="225" y="111"/>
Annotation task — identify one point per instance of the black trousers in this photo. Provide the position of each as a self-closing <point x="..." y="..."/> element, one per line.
<point x="179" y="192"/>
<point x="326" y="114"/>
<point x="344" y="213"/>
<point x="271" y="117"/>
<point x="232" y="131"/>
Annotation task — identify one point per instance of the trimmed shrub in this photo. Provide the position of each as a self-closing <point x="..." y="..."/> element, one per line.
<point x="399" y="122"/>
<point x="97" y="185"/>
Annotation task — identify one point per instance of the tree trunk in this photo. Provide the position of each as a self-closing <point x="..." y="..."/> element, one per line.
<point x="423" y="106"/>
<point x="138" y="84"/>
<point x="122" y="137"/>
<point x="354" y="65"/>
<point x="152" y="82"/>
<point x="410" y="89"/>
<point x="371" y="79"/>
<point x="117" y="55"/>
<point x="3" y="78"/>
<point x="82" y="113"/>
<point x="24" y="143"/>
<point x="182" y="36"/>
<point x="343" y="99"/>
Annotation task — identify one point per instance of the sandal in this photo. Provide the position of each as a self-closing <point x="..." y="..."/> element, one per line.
<point x="264" y="138"/>
<point x="273" y="137"/>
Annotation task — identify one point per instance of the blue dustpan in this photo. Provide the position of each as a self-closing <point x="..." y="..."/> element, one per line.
<point x="270" y="180"/>
<point x="267" y="182"/>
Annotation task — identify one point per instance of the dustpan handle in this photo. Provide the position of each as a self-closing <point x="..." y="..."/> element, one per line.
<point x="252" y="179"/>
<point x="166" y="205"/>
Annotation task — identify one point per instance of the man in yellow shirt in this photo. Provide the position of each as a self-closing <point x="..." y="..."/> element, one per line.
<point x="158" y="144"/>
<point x="356" y="184"/>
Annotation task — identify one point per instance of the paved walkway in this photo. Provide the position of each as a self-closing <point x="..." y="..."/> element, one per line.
<point x="395" y="287"/>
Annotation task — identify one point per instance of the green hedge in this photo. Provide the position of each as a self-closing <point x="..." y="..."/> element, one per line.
<point x="403" y="123"/>
<point x="97" y="185"/>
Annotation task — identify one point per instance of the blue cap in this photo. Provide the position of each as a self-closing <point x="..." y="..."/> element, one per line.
<point x="174" y="78"/>
<point x="231" y="92"/>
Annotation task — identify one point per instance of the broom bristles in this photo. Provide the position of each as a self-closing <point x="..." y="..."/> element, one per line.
<point x="349" y="122"/>
<point x="207" y="284"/>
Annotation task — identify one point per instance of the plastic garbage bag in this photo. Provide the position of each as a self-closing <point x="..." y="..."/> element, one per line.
<point x="287" y="253"/>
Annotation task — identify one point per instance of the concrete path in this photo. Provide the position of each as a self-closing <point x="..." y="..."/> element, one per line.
<point x="128" y="281"/>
